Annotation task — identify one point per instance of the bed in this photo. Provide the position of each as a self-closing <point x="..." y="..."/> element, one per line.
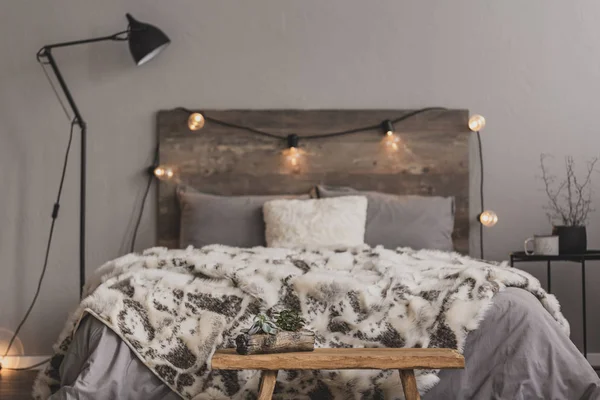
<point x="536" y="361"/>
<point x="513" y="336"/>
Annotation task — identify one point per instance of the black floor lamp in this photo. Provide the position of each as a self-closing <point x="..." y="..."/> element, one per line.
<point x="145" y="42"/>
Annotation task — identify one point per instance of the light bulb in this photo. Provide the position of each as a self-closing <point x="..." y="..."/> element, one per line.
<point x="159" y="172"/>
<point x="196" y="121"/>
<point x="292" y="156"/>
<point x="392" y="141"/>
<point x="13" y="359"/>
<point x="164" y="173"/>
<point x="388" y="127"/>
<point x="476" y="123"/>
<point x="488" y="218"/>
<point x="292" y="153"/>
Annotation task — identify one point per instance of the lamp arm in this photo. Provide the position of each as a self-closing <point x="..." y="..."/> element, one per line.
<point x="46" y="52"/>
<point x="117" y="36"/>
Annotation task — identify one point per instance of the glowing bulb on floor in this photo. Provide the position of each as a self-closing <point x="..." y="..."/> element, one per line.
<point x="13" y="359"/>
<point x="476" y="123"/>
<point x="196" y="121"/>
<point x="164" y="173"/>
<point x="488" y="218"/>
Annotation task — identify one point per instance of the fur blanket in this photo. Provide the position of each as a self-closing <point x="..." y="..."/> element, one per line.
<point x="175" y="307"/>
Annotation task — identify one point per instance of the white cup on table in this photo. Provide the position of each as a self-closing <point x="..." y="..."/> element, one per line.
<point x="543" y="245"/>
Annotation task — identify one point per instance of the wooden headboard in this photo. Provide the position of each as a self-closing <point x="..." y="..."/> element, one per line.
<point x="433" y="157"/>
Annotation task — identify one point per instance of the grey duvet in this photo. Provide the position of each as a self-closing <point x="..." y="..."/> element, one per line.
<point x="518" y="352"/>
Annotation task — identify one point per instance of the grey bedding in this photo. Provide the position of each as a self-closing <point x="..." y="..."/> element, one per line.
<point x="518" y="352"/>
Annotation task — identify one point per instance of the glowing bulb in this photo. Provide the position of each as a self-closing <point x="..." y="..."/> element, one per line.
<point x="388" y="127"/>
<point x="195" y="121"/>
<point x="392" y="141"/>
<point x="293" y="155"/>
<point x="488" y="218"/>
<point x="159" y="172"/>
<point x="476" y="123"/>
<point x="164" y="173"/>
<point x="13" y="359"/>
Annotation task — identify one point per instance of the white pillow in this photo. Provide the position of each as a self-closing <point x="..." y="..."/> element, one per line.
<point x="338" y="221"/>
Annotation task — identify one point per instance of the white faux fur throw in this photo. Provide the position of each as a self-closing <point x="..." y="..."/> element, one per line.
<point x="175" y="307"/>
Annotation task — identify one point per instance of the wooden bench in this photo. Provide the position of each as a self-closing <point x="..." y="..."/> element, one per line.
<point x="404" y="360"/>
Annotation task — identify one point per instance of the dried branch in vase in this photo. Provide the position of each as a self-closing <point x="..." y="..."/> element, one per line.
<point x="569" y="199"/>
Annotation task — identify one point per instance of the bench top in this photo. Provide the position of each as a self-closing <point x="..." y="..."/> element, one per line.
<point x="341" y="358"/>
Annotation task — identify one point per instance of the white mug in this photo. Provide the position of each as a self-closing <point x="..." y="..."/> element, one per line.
<point x="542" y="245"/>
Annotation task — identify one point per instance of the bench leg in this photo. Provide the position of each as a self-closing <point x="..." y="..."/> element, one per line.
<point x="409" y="384"/>
<point x="267" y="385"/>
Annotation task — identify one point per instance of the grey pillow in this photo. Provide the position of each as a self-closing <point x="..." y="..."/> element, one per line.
<point x="420" y="222"/>
<point x="229" y="220"/>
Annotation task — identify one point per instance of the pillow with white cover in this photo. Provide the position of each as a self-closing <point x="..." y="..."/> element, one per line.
<point x="331" y="222"/>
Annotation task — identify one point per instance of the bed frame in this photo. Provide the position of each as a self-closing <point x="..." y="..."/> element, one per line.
<point x="433" y="158"/>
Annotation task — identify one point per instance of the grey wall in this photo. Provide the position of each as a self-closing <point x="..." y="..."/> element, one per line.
<point x="531" y="67"/>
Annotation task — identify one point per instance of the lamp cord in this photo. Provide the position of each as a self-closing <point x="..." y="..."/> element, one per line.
<point x="480" y="193"/>
<point x="55" y="211"/>
<point x="146" y="192"/>
<point x="26" y="368"/>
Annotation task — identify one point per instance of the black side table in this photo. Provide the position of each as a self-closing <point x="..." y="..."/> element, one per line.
<point x="590" y="255"/>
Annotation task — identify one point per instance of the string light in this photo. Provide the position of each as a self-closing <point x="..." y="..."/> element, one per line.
<point x="164" y="173"/>
<point x="292" y="153"/>
<point x="391" y="139"/>
<point x="476" y="123"/>
<point x="196" y="121"/>
<point x="388" y="127"/>
<point x="488" y="218"/>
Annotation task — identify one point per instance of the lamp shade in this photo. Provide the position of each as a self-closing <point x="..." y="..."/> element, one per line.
<point x="145" y="40"/>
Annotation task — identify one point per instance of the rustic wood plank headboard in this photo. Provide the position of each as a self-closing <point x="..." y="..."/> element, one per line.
<point x="433" y="157"/>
